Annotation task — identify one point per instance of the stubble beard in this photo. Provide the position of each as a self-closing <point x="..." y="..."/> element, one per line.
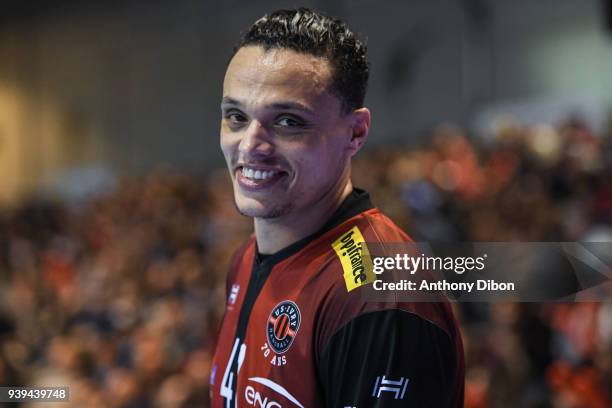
<point x="266" y="213"/>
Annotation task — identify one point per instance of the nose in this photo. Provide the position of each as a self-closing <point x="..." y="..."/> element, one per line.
<point x="255" y="141"/>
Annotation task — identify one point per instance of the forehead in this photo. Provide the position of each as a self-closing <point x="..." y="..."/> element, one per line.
<point x="277" y="73"/>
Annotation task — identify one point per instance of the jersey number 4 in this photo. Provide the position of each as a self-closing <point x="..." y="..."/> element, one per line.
<point x="228" y="384"/>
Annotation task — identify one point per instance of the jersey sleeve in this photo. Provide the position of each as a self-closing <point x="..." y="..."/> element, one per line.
<point x="390" y="358"/>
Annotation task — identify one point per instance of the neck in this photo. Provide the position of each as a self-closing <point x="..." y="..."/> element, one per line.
<point x="275" y="234"/>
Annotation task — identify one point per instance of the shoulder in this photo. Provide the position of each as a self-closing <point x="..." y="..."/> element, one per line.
<point x="375" y="227"/>
<point x="347" y="277"/>
<point x="346" y="247"/>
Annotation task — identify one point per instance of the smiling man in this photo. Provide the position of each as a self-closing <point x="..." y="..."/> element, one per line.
<point x="296" y="331"/>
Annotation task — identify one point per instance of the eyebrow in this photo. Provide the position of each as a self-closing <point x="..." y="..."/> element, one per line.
<point x="277" y="105"/>
<point x="230" y="101"/>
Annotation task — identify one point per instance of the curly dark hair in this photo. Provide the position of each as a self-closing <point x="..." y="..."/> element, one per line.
<point x="306" y="31"/>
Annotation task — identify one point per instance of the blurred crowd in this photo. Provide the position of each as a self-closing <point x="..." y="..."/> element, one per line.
<point x="526" y="183"/>
<point x="120" y="295"/>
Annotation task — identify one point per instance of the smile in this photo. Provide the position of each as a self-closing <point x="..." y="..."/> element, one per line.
<point x="255" y="179"/>
<point x="252" y="174"/>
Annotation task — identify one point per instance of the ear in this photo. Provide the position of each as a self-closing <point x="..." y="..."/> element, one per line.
<point x="360" y="127"/>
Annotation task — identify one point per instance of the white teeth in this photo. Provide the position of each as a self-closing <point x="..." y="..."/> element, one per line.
<point x="257" y="174"/>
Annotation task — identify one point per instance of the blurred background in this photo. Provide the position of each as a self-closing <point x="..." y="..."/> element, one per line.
<point x="491" y="122"/>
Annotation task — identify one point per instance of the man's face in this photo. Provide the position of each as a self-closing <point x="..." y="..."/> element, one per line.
<point x="283" y="134"/>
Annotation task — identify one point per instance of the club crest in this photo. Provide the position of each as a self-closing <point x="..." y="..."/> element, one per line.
<point x="283" y="325"/>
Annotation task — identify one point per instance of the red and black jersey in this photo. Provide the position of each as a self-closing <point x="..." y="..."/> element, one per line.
<point x="297" y="333"/>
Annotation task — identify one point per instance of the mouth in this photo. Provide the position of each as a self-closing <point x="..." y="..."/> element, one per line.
<point x="256" y="178"/>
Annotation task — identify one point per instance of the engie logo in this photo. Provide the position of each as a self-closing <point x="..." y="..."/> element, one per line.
<point x="357" y="268"/>
<point x="283" y="325"/>
<point x="256" y="399"/>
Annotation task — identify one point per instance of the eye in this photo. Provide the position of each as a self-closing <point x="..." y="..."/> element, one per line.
<point x="290" y="122"/>
<point x="235" y="118"/>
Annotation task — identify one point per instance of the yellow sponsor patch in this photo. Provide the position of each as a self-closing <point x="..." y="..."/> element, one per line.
<point x="355" y="259"/>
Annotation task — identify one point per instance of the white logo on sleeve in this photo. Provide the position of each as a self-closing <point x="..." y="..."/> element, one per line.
<point x="233" y="294"/>
<point x="396" y="387"/>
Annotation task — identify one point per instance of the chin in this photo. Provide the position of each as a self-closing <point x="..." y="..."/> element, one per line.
<point x="255" y="209"/>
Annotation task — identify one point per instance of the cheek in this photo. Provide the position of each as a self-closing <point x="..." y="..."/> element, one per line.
<point x="318" y="166"/>
<point x="330" y="157"/>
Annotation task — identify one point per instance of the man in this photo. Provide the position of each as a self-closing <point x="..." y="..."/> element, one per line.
<point x="296" y="332"/>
